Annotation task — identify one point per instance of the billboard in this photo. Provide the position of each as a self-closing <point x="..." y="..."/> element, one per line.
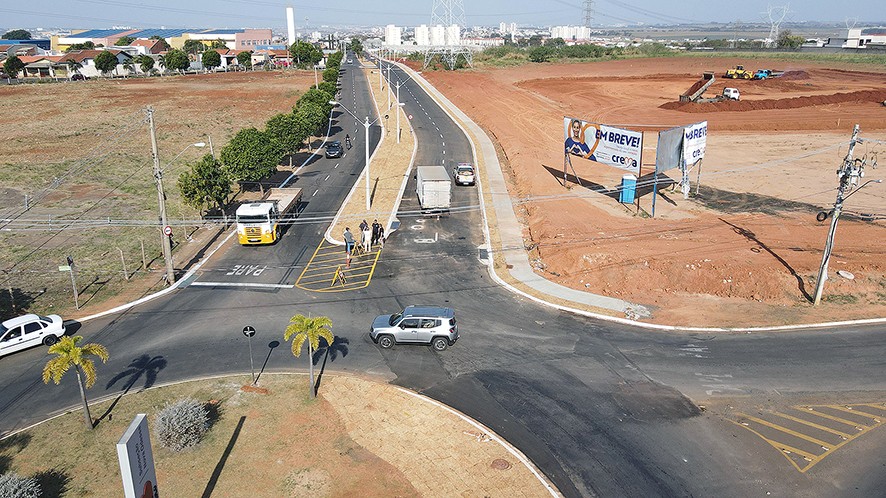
<point x="669" y="152"/>
<point x="604" y="144"/>
<point x="137" y="460"/>
<point x="695" y="138"/>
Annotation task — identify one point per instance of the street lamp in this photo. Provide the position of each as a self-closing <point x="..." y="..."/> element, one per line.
<point x="399" y="105"/>
<point x="166" y="238"/>
<point x="366" y="125"/>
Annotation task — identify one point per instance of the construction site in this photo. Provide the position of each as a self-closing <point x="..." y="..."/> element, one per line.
<point x="745" y="248"/>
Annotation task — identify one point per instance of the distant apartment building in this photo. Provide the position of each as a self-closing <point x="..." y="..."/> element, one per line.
<point x="453" y="35"/>
<point x="571" y="32"/>
<point x="438" y="35"/>
<point x="393" y="35"/>
<point x="507" y="28"/>
<point x="422" y="36"/>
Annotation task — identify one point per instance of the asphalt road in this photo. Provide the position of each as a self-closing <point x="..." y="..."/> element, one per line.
<point x="602" y="409"/>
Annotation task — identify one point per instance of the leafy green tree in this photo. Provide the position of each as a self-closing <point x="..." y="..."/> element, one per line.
<point x="289" y="132"/>
<point x="356" y="46"/>
<point x="211" y="59"/>
<point x="328" y="87"/>
<point x="334" y="60"/>
<point x="145" y="62"/>
<point x="218" y="44"/>
<point x="105" y="61"/>
<point x="305" y="329"/>
<point x="245" y="59"/>
<point x="305" y="54"/>
<point x="70" y="354"/>
<point x="251" y="156"/>
<point x="128" y="65"/>
<point x="16" y="34"/>
<point x="556" y="42"/>
<point x="312" y="116"/>
<point x="787" y="40"/>
<point x="541" y="54"/>
<point x="12" y="65"/>
<point x="193" y="47"/>
<point x="206" y="185"/>
<point x="124" y="41"/>
<point x="87" y="45"/>
<point x="330" y="74"/>
<point x="177" y="60"/>
<point x="315" y="96"/>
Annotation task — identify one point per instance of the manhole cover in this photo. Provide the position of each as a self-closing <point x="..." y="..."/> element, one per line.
<point x="500" y="464"/>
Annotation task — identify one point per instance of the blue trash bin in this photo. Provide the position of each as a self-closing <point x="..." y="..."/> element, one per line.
<point x="628" y="189"/>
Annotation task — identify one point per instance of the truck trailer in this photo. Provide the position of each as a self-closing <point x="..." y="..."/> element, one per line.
<point x="434" y="188"/>
<point x="262" y="222"/>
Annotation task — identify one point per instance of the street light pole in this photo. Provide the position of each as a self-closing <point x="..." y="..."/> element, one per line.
<point x="398" y="111"/>
<point x="389" y="86"/>
<point x="366" y="147"/>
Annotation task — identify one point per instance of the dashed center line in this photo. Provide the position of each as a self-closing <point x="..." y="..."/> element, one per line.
<point x="315" y="193"/>
<point x="327" y="177"/>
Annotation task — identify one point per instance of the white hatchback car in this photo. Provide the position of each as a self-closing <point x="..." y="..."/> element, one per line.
<point x="464" y="174"/>
<point x="30" y="330"/>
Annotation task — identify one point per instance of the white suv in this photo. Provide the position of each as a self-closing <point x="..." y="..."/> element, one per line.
<point x="29" y="330"/>
<point x="429" y="325"/>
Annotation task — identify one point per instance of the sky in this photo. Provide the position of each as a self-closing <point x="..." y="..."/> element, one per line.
<point x="271" y="14"/>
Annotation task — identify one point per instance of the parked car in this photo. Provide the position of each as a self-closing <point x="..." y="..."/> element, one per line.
<point x="731" y="93"/>
<point x="30" y="330"/>
<point x="464" y="174"/>
<point x="333" y="149"/>
<point x="77" y="77"/>
<point x="429" y="325"/>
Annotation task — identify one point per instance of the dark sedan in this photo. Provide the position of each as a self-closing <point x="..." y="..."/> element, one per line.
<point x="333" y="149"/>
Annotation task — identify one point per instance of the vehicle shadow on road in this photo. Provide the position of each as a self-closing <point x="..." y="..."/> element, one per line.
<point x="142" y="366"/>
<point x="329" y="352"/>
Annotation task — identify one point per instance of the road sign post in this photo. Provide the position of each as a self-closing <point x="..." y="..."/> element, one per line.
<point x="70" y="268"/>
<point x="249" y="332"/>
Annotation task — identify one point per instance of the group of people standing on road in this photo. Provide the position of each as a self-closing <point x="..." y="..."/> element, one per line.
<point x="369" y="235"/>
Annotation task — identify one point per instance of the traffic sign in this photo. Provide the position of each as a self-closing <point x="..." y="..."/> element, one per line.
<point x="248" y="331"/>
<point x="168" y="231"/>
<point x="410" y="116"/>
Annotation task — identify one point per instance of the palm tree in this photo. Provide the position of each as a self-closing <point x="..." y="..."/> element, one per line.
<point x="129" y="65"/>
<point x="74" y="67"/>
<point x="72" y="355"/>
<point x="311" y="330"/>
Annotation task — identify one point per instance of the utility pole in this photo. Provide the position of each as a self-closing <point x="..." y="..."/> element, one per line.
<point x="165" y="241"/>
<point x="849" y="173"/>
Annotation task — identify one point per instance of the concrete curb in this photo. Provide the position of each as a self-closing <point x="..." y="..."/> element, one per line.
<point x="529" y="278"/>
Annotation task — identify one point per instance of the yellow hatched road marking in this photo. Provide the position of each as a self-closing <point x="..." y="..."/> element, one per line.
<point x="881" y="406"/>
<point x="835" y="419"/>
<point x="810" y="424"/>
<point x="327" y="264"/>
<point x="813" y="460"/>
<point x="857" y="412"/>
<point x="824" y="444"/>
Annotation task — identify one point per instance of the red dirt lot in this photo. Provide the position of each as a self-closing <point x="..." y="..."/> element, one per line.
<point x="745" y="251"/>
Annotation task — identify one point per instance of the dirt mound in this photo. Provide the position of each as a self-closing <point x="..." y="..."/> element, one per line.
<point x="861" y="96"/>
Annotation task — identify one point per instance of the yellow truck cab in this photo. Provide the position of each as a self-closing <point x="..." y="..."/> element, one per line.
<point x="262" y="222"/>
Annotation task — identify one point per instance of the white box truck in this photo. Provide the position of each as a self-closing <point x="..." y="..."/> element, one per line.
<point x="262" y="222"/>
<point x="433" y="187"/>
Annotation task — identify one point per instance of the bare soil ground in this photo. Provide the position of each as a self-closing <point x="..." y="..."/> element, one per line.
<point x="746" y="249"/>
<point x="86" y="146"/>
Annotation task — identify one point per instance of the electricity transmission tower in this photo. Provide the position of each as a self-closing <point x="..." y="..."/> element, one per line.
<point x="448" y="13"/>
<point x="776" y="17"/>
<point x="589" y="12"/>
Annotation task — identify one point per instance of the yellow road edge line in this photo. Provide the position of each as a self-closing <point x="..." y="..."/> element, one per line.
<point x="810" y="424"/>
<point x="771" y="443"/>
<point x="852" y="410"/>
<point x="826" y="446"/>
<point x="374" y="262"/>
<point x="308" y="265"/>
<point x="880" y="406"/>
<point x="812" y="410"/>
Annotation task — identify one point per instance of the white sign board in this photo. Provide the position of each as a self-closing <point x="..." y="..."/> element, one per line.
<point x="695" y="138"/>
<point x="612" y="146"/>
<point x="137" y="460"/>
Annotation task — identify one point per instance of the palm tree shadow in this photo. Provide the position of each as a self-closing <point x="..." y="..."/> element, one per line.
<point x="144" y="365"/>
<point x="12" y="444"/>
<point x="330" y="352"/>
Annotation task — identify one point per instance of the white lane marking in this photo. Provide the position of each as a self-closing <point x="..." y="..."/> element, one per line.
<point x="327" y="177"/>
<point x="336" y="166"/>
<point x="441" y="135"/>
<point x="247" y="270"/>
<point x="242" y="284"/>
<point x="315" y="193"/>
